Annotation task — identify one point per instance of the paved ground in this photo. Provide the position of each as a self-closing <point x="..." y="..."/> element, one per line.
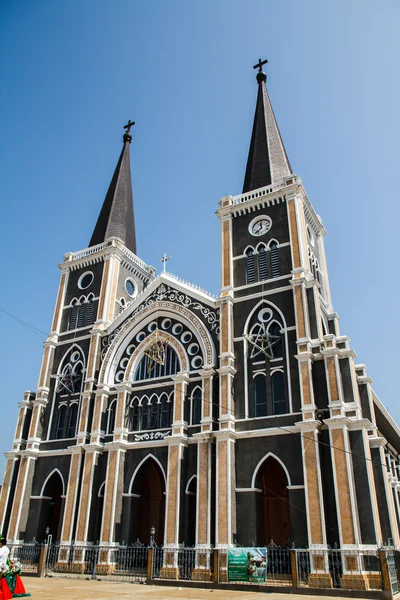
<point x="73" y="589"/>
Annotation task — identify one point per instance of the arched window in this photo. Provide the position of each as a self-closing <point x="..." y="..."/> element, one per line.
<point x="250" y="266"/>
<point x="278" y="393"/>
<point x="111" y="416"/>
<point x="150" y="369"/>
<point x="166" y="412"/>
<point x="262" y="263"/>
<point x="144" y="416"/>
<point x="89" y="313"/>
<point x="73" y="417"/>
<point x="274" y="259"/>
<point x="60" y="422"/>
<point x="260" y="396"/>
<point x="72" y="315"/>
<point x="274" y="330"/>
<point x="154" y="417"/>
<point x="195" y="406"/>
<point x="133" y="416"/>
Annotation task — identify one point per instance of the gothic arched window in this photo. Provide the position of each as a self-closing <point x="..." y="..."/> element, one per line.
<point x="274" y="259"/>
<point x="260" y="396"/>
<point x="151" y="369"/>
<point x="262" y="263"/>
<point x="73" y="417"/>
<point x="250" y="266"/>
<point x="112" y="409"/>
<point x="274" y="330"/>
<point x="72" y="315"/>
<point x="60" y="422"/>
<point x="166" y="412"/>
<point x="195" y="406"/>
<point x="278" y="393"/>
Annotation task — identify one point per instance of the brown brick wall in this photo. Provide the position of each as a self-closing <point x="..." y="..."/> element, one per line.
<point x="313" y="498"/>
<point x="171" y="516"/>
<point x="202" y="491"/>
<point x="343" y="486"/>
<point x="71" y="497"/>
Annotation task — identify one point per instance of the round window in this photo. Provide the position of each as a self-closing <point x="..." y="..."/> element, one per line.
<point x="130" y="287"/>
<point x="197" y="362"/>
<point x="265" y="315"/>
<point x="85" y="280"/>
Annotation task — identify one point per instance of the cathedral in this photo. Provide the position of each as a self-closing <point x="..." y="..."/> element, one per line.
<point x="209" y="421"/>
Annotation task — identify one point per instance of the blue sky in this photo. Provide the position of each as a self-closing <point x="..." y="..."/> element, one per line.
<point x="72" y="73"/>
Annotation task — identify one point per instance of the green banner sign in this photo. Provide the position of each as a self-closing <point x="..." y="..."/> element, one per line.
<point x="247" y="564"/>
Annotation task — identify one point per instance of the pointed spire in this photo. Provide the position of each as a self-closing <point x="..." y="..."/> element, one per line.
<point x="267" y="162"/>
<point x="116" y="217"/>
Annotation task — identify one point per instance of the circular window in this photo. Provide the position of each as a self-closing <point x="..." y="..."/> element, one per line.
<point x="130" y="349"/>
<point x="193" y="349"/>
<point x="265" y="315"/>
<point x="75" y="356"/>
<point x="124" y="363"/>
<point x="166" y="324"/>
<point x="119" y="376"/>
<point x="176" y="330"/>
<point x="186" y="337"/>
<point x="140" y="336"/>
<point x="85" y="280"/>
<point x="197" y="362"/>
<point x="130" y="287"/>
<point x="310" y="235"/>
<point x="152" y="326"/>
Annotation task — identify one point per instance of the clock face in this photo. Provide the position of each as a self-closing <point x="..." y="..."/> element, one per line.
<point x="261" y="226"/>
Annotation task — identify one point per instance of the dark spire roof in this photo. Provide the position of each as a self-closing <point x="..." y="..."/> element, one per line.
<point x="267" y="162"/>
<point x="116" y="217"/>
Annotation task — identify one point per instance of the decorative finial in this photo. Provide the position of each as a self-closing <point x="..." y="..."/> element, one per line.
<point x="127" y="135"/>
<point x="261" y="76"/>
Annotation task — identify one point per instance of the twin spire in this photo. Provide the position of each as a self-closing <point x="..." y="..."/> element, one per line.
<point x="116" y="217"/>
<point x="267" y="164"/>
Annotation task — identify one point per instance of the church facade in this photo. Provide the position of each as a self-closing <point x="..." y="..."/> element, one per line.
<point x="237" y="419"/>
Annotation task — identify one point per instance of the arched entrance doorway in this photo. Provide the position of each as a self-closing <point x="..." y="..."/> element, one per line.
<point x="274" y="509"/>
<point x="149" y="486"/>
<point x="52" y="506"/>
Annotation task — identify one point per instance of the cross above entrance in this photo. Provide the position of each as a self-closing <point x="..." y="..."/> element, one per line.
<point x="164" y="260"/>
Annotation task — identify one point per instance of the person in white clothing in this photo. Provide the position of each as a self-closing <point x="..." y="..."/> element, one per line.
<point x="4" y="552"/>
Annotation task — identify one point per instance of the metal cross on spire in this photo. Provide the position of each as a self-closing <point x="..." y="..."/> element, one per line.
<point x="128" y="126"/>
<point x="164" y="261"/>
<point x="260" y="64"/>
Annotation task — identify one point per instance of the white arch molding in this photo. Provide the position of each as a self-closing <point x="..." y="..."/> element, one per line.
<point x="149" y="456"/>
<point x="270" y="455"/>
<point x="133" y="325"/>
<point x="187" y="491"/>
<point x="139" y="353"/>
<point x="101" y="491"/>
<point x="47" y="479"/>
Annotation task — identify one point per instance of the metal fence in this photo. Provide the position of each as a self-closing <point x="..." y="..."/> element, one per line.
<point x="361" y="569"/>
<point x="183" y="564"/>
<point x="345" y="569"/>
<point x="27" y="554"/>
<point x="121" y="563"/>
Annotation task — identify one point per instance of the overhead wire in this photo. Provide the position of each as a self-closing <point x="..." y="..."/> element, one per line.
<point x="229" y="410"/>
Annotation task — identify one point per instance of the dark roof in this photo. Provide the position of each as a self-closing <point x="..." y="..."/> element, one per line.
<point x="116" y="217"/>
<point x="267" y="162"/>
